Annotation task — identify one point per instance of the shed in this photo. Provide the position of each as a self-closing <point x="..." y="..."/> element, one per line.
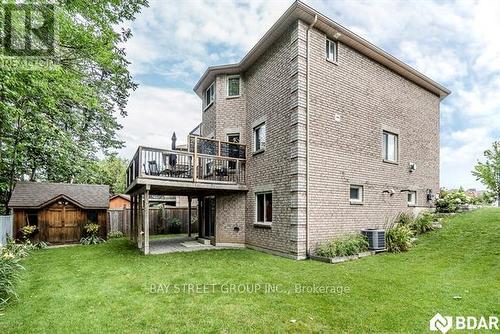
<point x="119" y="201"/>
<point x="59" y="210"/>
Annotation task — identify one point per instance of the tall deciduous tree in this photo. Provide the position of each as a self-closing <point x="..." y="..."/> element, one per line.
<point x="55" y="121"/>
<point x="488" y="172"/>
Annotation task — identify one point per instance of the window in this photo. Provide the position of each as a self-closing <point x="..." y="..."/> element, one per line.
<point x="331" y="51"/>
<point x="264" y="208"/>
<point x="32" y="217"/>
<point x="210" y="94"/>
<point x="92" y="216"/>
<point x="259" y="134"/>
<point x="356" y="194"/>
<point x="412" y="198"/>
<point x="233" y="86"/>
<point x="390" y="147"/>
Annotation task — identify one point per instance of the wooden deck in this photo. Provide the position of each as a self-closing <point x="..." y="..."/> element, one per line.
<point x="208" y="166"/>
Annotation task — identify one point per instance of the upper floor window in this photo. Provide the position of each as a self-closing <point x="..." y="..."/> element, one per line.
<point x="259" y="135"/>
<point x="331" y="51"/>
<point x="390" y="147"/>
<point x="210" y="94"/>
<point x="233" y="86"/>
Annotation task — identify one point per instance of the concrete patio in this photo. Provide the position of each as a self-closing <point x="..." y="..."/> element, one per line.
<point x="181" y="244"/>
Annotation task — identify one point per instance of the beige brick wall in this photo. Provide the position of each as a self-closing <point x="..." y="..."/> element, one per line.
<point x="268" y="98"/>
<point x="366" y="98"/>
<point x="230" y="219"/>
<point x="351" y="103"/>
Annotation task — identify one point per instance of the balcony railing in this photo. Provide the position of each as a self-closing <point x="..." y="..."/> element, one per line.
<point x="206" y="160"/>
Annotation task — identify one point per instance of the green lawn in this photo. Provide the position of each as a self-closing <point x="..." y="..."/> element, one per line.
<point x="106" y="288"/>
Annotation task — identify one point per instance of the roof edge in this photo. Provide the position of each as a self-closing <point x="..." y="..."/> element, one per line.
<point x="346" y="36"/>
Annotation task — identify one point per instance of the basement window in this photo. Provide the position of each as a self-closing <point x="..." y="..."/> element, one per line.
<point x="356" y="194"/>
<point x="331" y="51"/>
<point x="412" y="198"/>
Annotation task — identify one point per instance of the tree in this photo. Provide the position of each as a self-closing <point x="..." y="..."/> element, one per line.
<point x="489" y="172"/>
<point x="56" y="120"/>
<point x="110" y="171"/>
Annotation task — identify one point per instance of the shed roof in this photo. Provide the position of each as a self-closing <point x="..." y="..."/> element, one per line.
<point x="39" y="194"/>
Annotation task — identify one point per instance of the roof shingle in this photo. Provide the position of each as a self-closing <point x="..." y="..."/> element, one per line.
<point x="39" y="194"/>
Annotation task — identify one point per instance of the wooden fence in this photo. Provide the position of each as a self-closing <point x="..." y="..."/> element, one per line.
<point x="5" y="228"/>
<point x="161" y="221"/>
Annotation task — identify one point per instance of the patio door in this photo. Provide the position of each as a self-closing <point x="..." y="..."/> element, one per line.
<point x="207" y="209"/>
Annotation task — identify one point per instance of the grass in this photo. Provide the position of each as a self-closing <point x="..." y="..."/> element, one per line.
<point x="107" y="287"/>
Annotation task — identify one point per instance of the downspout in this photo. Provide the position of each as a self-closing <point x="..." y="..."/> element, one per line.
<point x="307" y="132"/>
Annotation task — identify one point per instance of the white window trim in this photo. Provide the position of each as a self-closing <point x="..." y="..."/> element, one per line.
<point x="414" y="202"/>
<point x="396" y="161"/>
<point x="254" y="141"/>
<point x="206" y="94"/>
<point x="262" y="223"/>
<point x="336" y="55"/>
<point x="227" y="86"/>
<point x="358" y="200"/>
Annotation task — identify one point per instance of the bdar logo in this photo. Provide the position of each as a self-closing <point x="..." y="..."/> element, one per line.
<point x="440" y="323"/>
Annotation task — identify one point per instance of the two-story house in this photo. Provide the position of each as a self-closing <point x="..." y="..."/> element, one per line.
<point x="315" y="133"/>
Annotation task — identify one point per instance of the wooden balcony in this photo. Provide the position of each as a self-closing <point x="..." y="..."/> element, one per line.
<point x="207" y="166"/>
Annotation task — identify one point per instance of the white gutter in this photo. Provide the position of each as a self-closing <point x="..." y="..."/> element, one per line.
<point x="307" y="132"/>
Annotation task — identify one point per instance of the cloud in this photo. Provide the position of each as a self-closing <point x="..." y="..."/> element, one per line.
<point x="154" y="113"/>
<point x="459" y="157"/>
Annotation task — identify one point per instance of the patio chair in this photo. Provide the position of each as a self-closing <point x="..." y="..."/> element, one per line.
<point x="152" y="168"/>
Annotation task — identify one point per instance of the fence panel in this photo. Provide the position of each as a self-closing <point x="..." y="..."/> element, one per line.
<point x="161" y="221"/>
<point x="5" y="228"/>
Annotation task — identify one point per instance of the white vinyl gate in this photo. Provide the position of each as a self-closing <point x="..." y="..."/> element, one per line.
<point x="5" y="228"/>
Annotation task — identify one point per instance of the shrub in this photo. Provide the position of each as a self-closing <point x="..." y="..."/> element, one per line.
<point x="423" y="223"/>
<point x="451" y="201"/>
<point x="92" y="235"/>
<point x="28" y="231"/>
<point x="404" y="219"/>
<point x="10" y="256"/>
<point x="175" y="226"/>
<point x="348" y="245"/>
<point x="116" y="234"/>
<point x="398" y="238"/>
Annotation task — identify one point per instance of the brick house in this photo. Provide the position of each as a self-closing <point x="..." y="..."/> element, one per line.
<point x="315" y="133"/>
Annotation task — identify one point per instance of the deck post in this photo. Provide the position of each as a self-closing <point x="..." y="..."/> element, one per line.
<point x="195" y="158"/>
<point x="146" y="220"/>
<point x="140" y="221"/>
<point x="131" y="213"/>
<point x="189" y="216"/>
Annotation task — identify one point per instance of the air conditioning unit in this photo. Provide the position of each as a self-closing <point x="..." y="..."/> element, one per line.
<point x="376" y="238"/>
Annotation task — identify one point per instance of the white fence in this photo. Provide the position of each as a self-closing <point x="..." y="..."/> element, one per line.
<point x="5" y="228"/>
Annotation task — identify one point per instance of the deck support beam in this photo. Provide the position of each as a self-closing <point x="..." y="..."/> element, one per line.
<point x="189" y="216"/>
<point x="146" y="220"/>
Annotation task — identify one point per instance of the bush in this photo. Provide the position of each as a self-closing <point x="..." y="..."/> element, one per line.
<point x="92" y="235"/>
<point x="175" y="226"/>
<point x="423" y="223"/>
<point x="10" y="256"/>
<point x="398" y="238"/>
<point x="116" y="234"/>
<point x="348" y="245"/>
<point x="404" y="219"/>
<point x="451" y="201"/>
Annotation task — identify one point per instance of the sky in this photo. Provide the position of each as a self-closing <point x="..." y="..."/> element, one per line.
<point x="454" y="43"/>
